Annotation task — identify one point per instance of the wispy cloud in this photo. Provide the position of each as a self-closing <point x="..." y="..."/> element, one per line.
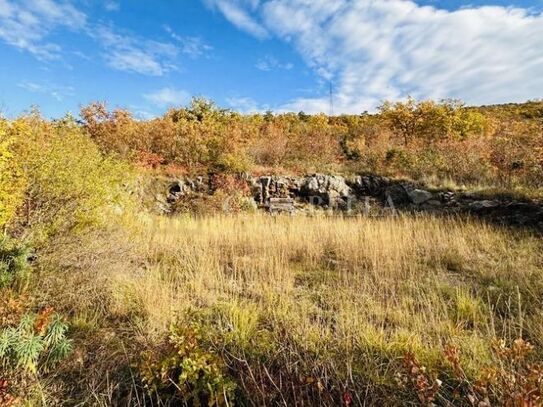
<point x="112" y="5"/>
<point x="246" y="105"/>
<point x="194" y="47"/>
<point x="269" y="63"/>
<point x="141" y="113"/>
<point x="57" y="92"/>
<point x="167" y="97"/>
<point x="29" y="25"/>
<point x="238" y="13"/>
<point x="26" y="25"/>
<point x="126" y="52"/>
<point x="377" y="49"/>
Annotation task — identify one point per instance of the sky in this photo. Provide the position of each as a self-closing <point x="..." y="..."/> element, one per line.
<point x="258" y="55"/>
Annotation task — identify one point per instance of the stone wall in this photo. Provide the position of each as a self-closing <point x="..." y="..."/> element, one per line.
<point x="350" y="194"/>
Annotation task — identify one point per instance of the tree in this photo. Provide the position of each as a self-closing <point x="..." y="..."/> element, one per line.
<point x="431" y="121"/>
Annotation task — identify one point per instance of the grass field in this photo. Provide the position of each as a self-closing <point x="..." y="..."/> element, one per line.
<point x="302" y="310"/>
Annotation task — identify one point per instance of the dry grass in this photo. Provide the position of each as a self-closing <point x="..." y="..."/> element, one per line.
<point x="334" y="302"/>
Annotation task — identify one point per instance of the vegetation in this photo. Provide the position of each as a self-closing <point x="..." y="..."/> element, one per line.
<point x="37" y="342"/>
<point x="498" y="147"/>
<point x="104" y="303"/>
<point x="10" y="178"/>
<point x="329" y="309"/>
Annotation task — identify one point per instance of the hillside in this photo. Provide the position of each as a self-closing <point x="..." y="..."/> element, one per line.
<point x="138" y="264"/>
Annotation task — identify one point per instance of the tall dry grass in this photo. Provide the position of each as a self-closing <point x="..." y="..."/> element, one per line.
<point x="304" y="309"/>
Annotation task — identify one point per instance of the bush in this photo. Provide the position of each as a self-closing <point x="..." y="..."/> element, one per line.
<point x="14" y="267"/>
<point x="443" y="141"/>
<point x="514" y="378"/>
<point x="37" y="344"/>
<point x="184" y="371"/>
<point x="69" y="183"/>
<point x="430" y="121"/>
<point x="11" y="181"/>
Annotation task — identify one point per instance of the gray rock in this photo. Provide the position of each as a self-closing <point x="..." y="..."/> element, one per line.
<point x="328" y="190"/>
<point x="419" y="196"/>
<point x="397" y="194"/>
<point x="480" y="205"/>
<point x="369" y="185"/>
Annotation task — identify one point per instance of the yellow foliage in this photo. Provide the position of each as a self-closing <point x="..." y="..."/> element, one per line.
<point x="11" y="181"/>
<point x="69" y="183"/>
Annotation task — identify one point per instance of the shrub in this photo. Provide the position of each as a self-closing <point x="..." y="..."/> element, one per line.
<point x="36" y="344"/>
<point x="70" y="184"/>
<point x="185" y="371"/>
<point x="14" y="267"/>
<point x="11" y="181"/>
<point x="431" y="121"/>
<point x="513" y="378"/>
<point x="498" y="146"/>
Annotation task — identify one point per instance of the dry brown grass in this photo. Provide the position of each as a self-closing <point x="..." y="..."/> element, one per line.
<point x="333" y="301"/>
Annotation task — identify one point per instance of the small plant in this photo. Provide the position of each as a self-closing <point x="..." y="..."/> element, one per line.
<point x="11" y="182"/>
<point x="517" y="378"/>
<point x="7" y="399"/>
<point x="12" y="307"/>
<point x="512" y="380"/>
<point x="13" y="262"/>
<point x="426" y="386"/>
<point x="36" y="344"/>
<point x="185" y="371"/>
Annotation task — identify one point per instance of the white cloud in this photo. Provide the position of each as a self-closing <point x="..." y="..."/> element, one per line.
<point x="57" y="92"/>
<point x="142" y="113"/>
<point x="112" y="6"/>
<point x="269" y="63"/>
<point x="27" y="24"/>
<point x="125" y="52"/>
<point x="237" y="12"/>
<point x="377" y="49"/>
<point x="167" y="97"/>
<point x="194" y="47"/>
<point x="245" y="105"/>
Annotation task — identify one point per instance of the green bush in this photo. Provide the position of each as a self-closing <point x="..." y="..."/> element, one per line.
<point x="185" y="371"/>
<point x="14" y="267"/>
<point x="37" y="344"/>
<point x="11" y="182"/>
<point x="70" y="184"/>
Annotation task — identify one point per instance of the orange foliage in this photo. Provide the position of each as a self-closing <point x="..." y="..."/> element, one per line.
<point x="444" y="141"/>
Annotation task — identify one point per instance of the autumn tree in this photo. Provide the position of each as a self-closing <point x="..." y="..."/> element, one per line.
<point x="431" y="121"/>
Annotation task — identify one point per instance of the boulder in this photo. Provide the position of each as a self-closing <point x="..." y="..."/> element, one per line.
<point x="419" y="196"/>
<point x="265" y="187"/>
<point x="186" y="186"/>
<point x="396" y="194"/>
<point x="433" y="203"/>
<point x="330" y="190"/>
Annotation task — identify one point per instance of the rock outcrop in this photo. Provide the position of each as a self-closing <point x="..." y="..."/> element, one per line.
<point x="340" y="193"/>
<point x="187" y="186"/>
<point x="327" y="190"/>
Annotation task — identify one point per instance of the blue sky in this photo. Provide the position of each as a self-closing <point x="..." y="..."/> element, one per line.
<point x="254" y="55"/>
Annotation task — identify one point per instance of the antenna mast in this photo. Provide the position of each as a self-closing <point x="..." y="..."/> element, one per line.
<point x="331" y="100"/>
